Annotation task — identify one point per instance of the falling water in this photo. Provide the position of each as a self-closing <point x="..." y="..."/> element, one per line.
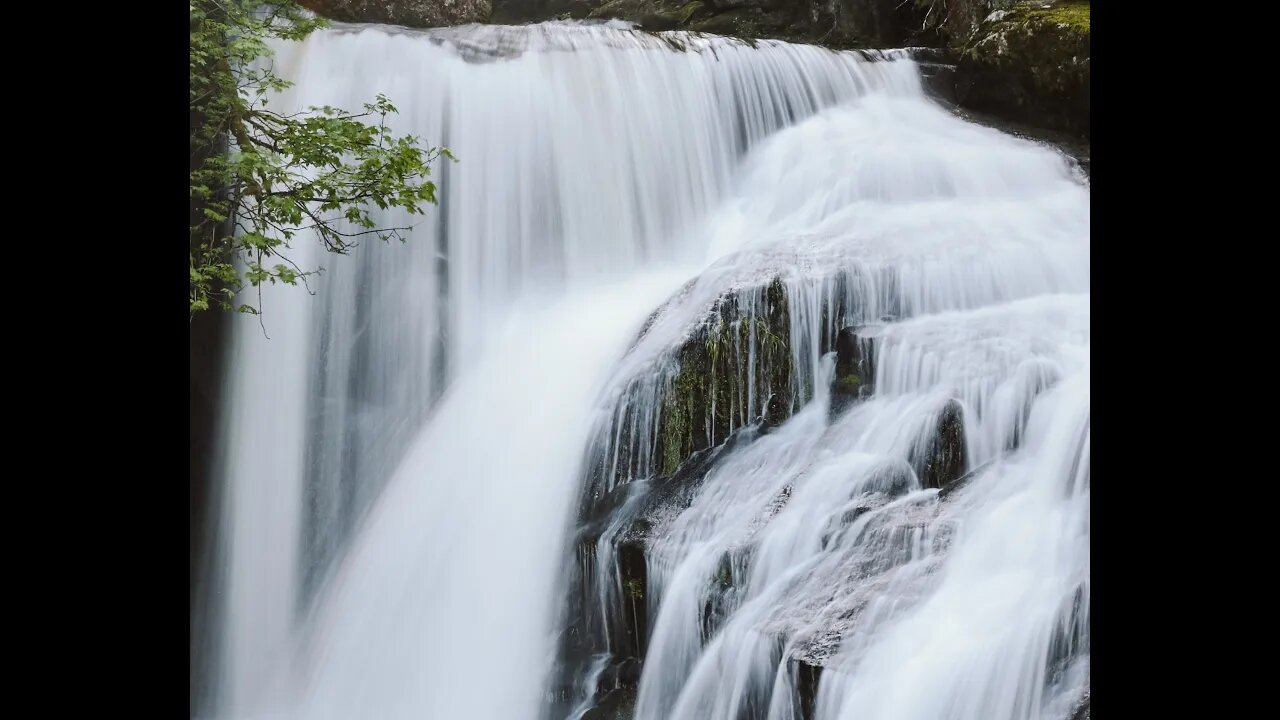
<point x="420" y="450"/>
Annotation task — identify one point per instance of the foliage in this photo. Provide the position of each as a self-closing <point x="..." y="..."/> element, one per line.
<point x="260" y="178"/>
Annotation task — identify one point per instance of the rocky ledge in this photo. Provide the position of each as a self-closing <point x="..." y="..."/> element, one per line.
<point x="1023" y="62"/>
<point x="409" y="13"/>
<point x="1030" y="64"/>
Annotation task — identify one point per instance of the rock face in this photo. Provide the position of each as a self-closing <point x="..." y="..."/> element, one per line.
<point x="837" y="23"/>
<point x="944" y="458"/>
<point x="852" y="379"/>
<point x="733" y="378"/>
<point x="410" y="13"/>
<point x="1030" y="64"/>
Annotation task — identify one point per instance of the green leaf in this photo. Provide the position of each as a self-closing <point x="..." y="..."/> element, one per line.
<point x="325" y="169"/>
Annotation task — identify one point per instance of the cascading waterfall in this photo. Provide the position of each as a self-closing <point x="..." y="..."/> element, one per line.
<point x="404" y="454"/>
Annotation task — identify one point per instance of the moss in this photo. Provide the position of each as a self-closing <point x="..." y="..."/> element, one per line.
<point x="687" y="12"/>
<point x="849" y="383"/>
<point x="1032" y="64"/>
<point x="1028" y="34"/>
<point x="724" y="573"/>
<point x="621" y="9"/>
<point x="1074" y="16"/>
<point x="635" y="589"/>
<point x="706" y="396"/>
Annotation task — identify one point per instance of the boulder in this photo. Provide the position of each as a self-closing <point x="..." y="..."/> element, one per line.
<point x="1030" y="64"/>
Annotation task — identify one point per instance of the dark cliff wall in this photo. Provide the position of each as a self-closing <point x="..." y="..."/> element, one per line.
<point x="837" y="23"/>
<point x="410" y="13"/>
<point x="1030" y="63"/>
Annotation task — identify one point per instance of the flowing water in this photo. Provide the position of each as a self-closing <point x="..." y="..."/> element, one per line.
<point x="435" y="466"/>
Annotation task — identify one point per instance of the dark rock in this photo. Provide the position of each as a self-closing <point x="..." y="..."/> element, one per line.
<point x="617" y="704"/>
<point x="636" y="511"/>
<point x="735" y="360"/>
<point x="959" y="483"/>
<point x="775" y="413"/>
<point x="1070" y="639"/>
<point x="409" y="13"/>
<point x="852" y="379"/>
<point x="634" y="573"/>
<point x="1072" y="146"/>
<point x="944" y="458"/>
<point x="806" y="679"/>
<point x="621" y="673"/>
<point x="1030" y="64"/>
<point x="893" y="479"/>
<point x="939" y="80"/>
<point x="949" y="22"/>
<point x="647" y="465"/>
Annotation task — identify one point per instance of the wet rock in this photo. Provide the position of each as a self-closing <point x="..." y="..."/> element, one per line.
<point x="733" y="368"/>
<point x="939" y="80"/>
<point x="846" y="519"/>
<point x="621" y="673"/>
<point x="944" y="458"/>
<point x="728" y="383"/>
<point x="633" y="570"/>
<point x="617" y="704"/>
<point x="806" y="678"/>
<point x="1030" y="64"/>
<point x="718" y="605"/>
<point x="775" y="413"/>
<point x="893" y="479"/>
<point x="1070" y="639"/>
<point x="636" y="512"/>
<point x="852" y="379"/>
<point x="1082" y="710"/>
<point x="963" y="481"/>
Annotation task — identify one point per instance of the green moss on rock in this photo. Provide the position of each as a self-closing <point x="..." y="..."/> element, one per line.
<point x="689" y="10"/>
<point x="849" y="383"/>
<point x="1030" y="63"/>
<point x="635" y="589"/>
<point x="719" y="376"/>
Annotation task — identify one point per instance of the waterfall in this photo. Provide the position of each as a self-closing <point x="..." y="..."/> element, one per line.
<point x="464" y="479"/>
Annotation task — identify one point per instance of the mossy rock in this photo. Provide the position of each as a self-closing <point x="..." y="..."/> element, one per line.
<point x="1030" y="63"/>
<point x="944" y="458"/>
<point x="705" y="399"/>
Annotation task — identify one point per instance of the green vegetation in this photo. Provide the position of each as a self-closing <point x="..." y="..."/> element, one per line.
<point x="1075" y="15"/>
<point x="635" y="589"/>
<point x="709" y="385"/>
<point x="260" y="177"/>
<point x="849" y="383"/>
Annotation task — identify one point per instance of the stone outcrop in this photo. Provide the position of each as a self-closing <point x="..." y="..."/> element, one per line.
<point x="1030" y="64"/>
<point x="409" y="13"/>
<point x="836" y="23"/>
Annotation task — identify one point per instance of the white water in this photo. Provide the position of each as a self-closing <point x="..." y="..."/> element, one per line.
<point x="911" y="631"/>
<point x="403" y="454"/>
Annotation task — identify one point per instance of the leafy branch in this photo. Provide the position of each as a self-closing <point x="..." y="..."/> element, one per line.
<point x="261" y="177"/>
